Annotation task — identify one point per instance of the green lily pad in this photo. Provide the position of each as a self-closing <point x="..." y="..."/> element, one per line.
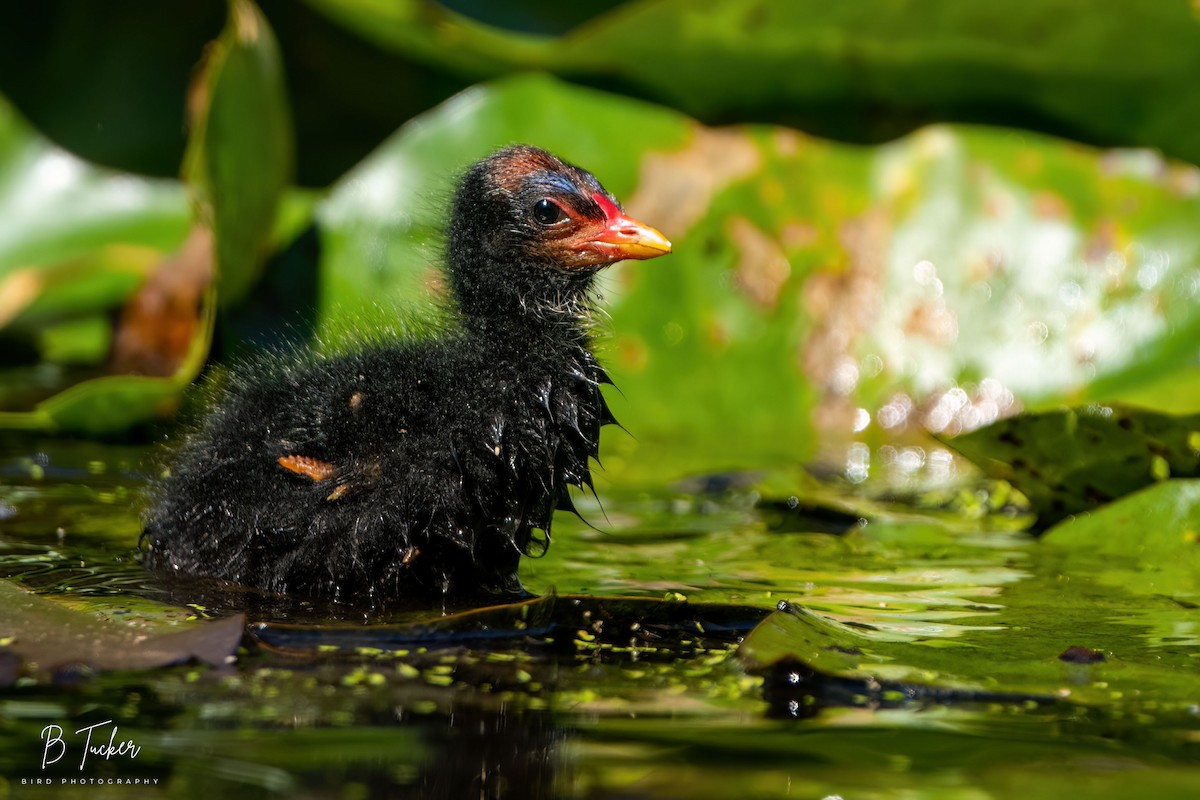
<point x="50" y="637"/>
<point x="1072" y="460"/>
<point x="813" y="286"/>
<point x="1049" y="65"/>
<point x="1148" y="542"/>
<point x="1043" y="661"/>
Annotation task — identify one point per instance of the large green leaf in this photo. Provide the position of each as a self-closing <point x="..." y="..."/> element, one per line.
<point x="1146" y="542"/>
<point x="939" y="281"/>
<point x="55" y="208"/>
<point x="75" y="240"/>
<point x="240" y="154"/>
<point x="112" y="404"/>
<point x="238" y="163"/>
<point x="1123" y="76"/>
<point x="74" y="237"/>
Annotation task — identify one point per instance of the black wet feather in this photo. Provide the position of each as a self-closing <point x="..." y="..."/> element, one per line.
<point x="413" y="467"/>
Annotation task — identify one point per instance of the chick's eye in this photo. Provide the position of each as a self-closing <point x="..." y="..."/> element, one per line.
<point x="548" y="212"/>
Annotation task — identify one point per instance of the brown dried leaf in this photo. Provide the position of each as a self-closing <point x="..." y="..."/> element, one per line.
<point x="159" y="322"/>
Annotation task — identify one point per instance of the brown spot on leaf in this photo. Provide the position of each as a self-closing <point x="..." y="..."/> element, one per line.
<point x="675" y="188"/>
<point x="1049" y="205"/>
<point x="1183" y="180"/>
<point x="798" y="234"/>
<point x="787" y="141"/>
<point x="844" y="301"/>
<point x="1010" y="438"/>
<point x="762" y="268"/>
<point x="434" y="281"/>
<point x="1102" y="242"/>
<point x="850" y="651"/>
<point x="1029" y="162"/>
<point x="716" y="333"/>
<point x="633" y="353"/>
<point x="933" y="321"/>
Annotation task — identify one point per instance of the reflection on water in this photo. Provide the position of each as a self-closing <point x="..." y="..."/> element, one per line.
<point x="646" y="707"/>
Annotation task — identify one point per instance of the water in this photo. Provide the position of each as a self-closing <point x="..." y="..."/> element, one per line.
<point x="924" y="662"/>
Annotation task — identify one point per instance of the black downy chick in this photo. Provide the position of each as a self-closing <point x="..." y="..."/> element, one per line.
<point x="418" y="467"/>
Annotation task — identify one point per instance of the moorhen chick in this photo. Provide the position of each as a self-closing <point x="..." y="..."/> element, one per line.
<point x="418" y="467"/>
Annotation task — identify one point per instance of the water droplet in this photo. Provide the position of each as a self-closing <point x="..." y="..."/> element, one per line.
<point x="1069" y="294"/>
<point x="1147" y="277"/>
<point x="872" y="365"/>
<point x="844" y="378"/>
<point x="858" y="462"/>
<point x="1038" y="331"/>
<point x="895" y="413"/>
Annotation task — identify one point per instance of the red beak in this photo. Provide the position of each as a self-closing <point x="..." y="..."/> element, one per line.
<point x="621" y="238"/>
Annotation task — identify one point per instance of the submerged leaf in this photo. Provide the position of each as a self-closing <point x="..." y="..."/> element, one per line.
<point x="668" y="625"/>
<point x="55" y="207"/>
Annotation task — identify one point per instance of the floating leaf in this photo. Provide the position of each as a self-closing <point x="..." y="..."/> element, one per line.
<point x="808" y="658"/>
<point x="1148" y="542"/>
<point x="1072" y="460"/>
<point x="51" y="637"/>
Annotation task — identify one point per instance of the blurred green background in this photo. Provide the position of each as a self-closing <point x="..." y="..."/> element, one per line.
<point x="890" y="218"/>
<point x="895" y="222"/>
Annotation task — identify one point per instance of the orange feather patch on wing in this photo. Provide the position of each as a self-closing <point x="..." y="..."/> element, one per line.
<point x="312" y="468"/>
